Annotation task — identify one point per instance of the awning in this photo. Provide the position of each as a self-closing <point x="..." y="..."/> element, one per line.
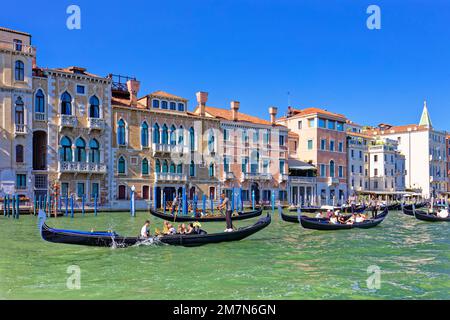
<point x="300" y="165"/>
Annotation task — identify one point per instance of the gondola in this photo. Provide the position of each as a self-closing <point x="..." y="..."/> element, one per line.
<point x="187" y="218"/>
<point x="323" y="223"/>
<point x="408" y="209"/>
<point x="112" y="239"/>
<point x="345" y="209"/>
<point x="422" y="215"/>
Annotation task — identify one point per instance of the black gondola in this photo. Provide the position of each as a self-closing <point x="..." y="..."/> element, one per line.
<point x="324" y="224"/>
<point x="422" y="215"/>
<point x="188" y="218"/>
<point x="344" y="209"/>
<point x="408" y="209"/>
<point x="112" y="239"/>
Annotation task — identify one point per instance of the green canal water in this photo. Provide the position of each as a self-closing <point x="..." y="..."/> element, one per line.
<point x="283" y="261"/>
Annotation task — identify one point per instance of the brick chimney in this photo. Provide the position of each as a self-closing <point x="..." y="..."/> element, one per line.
<point x="234" y="110"/>
<point x="202" y="98"/>
<point x="273" y="114"/>
<point x="133" y="88"/>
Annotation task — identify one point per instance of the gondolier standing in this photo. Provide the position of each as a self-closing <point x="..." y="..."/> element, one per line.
<point x="226" y="205"/>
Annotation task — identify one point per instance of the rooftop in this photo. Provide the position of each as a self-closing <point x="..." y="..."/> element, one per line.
<point x="292" y="112"/>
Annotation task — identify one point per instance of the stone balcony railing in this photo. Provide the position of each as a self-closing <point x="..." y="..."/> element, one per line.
<point x="169" y="148"/>
<point x="256" y="176"/>
<point x="39" y="116"/>
<point x="68" y="121"/>
<point x="20" y="129"/>
<point x="170" y="177"/>
<point x="96" y="124"/>
<point x="333" y="181"/>
<point x="302" y="180"/>
<point x="14" y="46"/>
<point x="283" y="177"/>
<point x="81" y="167"/>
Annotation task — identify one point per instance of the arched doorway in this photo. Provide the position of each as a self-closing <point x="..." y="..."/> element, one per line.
<point x="39" y="150"/>
<point x="255" y="188"/>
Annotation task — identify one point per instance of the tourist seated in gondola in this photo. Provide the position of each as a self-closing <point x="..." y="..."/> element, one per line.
<point x="319" y="215"/>
<point x="145" y="230"/>
<point x="341" y="219"/>
<point x="190" y="228"/>
<point x="181" y="229"/>
<point x="359" y="218"/>
<point x="172" y="229"/>
<point x="329" y="214"/>
<point x="334" y="219"/>
<point x="442" y="214"/>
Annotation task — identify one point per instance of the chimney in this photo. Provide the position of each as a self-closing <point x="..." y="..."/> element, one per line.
<point x="133" y="88"/>
<point x="234" y="110"/>
<point x="273" y="114"/>
<point x="34" y="63"/>
<point x="202" y="98"/>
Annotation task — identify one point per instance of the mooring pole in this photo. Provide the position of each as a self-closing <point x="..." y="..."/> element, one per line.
<point x="95" y="205"/>
<point x="71" y="205"/>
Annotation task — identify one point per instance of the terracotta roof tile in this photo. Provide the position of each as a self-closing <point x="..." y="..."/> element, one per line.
<point x="396" y="129"/>
<point x="359" y="134"/>
<point x="226" y="114"/>
<point x="167" y="95"/>
<point x="15" y="31"/>
<point x="309" y="111"/>
<point x="76" y="70"/>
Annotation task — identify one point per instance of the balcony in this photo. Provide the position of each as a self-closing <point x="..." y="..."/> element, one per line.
<point x="228" y="176"/>
<point x="159" y="148"/>
<point x="17" y="47"/>
<point x="256" y="176"/>
<point x="283" y="177"/>
<point x="302" y="180"/>
<point x="38" y="116"/>
<point x="170" y="177"/>
<point x="20" y="129"/>
<point x="68" y="121"/>
<point x="96" y="124"/>
<point x="333" y="181"/>
<point x="81" y="167"/>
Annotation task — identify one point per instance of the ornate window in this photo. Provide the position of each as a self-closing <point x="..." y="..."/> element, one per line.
<point x="165" y="134"/>
<point x="145" y="167"/>
<point x="332" y="169"/>
<point x="121" y="133"/>
<point x="39" y="102"/>
<point x="121" y="166"/>
<point x="211" y="170"/>
<point x="19" y="112"/>
<point x="173" y="135"/>
<point x="19" y="153"/>
<point x="80" y="151"/>
<point x="156" y="134"/>
<point x="94" y="152"/>
<point x="94" y="107"/>
<point x="192" y="169"/>
<point x="158" y="166"/>
<point x="19" y="71"/>
<point x="192" y="139"/>
<point x="144" y="134"/>
<point x="66" y="104"/>
<point x="65" y="151"/>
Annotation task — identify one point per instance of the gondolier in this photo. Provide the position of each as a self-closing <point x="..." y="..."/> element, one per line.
<point x="226" y="205"/>
<point x="144" y="229"/>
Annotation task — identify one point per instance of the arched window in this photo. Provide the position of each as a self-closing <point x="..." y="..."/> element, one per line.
<point x="156" y="134"/>
<point x="144" y="134"/>
<point x="165" y="135"/>
<point x="164" y="105"/>
<point x="66" y="104"/>
<point x="145" y="167"/>
<point x="19" y="71"/>
<point x="121" y="165"/>
<point x="211" y="170"/>
<point x="94" y="153"/>
<point x="181" y="135"/>
<point x="192" y="169"/>
<point x="179" y="168"/>
<point x="94" y="107"/>
<point x="65" y="151"/>
<point x="19" y="153"/>
<point x="172" y="168"/>
<point x="155" y="103"/>
<point x="173" y="106"/>
<point x="19" y="112"/>
<point x="80" y="151"/>
<point x="211" y="142"/>
<point x="332" y="169"/>
<point x="39" y="102"/>
<point x="192" y="139"/>
<point x="173" y="135"/>
<point x="158" y="166"/>
<point x="181" y="107"/>
<point x="165" y="167"/>
<point x="121" y="133"/>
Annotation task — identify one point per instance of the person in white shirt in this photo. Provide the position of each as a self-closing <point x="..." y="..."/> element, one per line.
<point x="442" y="214"/>
<point x="144" y="230"/>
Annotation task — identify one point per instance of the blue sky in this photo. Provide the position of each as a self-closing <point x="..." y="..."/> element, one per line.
<point x="256" y="51"/>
